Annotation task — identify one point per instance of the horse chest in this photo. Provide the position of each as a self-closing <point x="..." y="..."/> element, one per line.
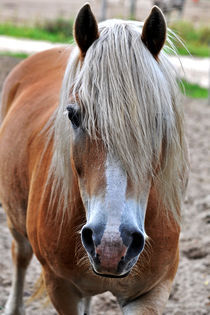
<point x="124" y="289"/>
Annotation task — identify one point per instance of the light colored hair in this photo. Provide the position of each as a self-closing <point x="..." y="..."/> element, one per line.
<point x="132" y="101"/>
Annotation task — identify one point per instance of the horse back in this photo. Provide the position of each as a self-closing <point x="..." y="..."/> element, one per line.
<point x="37" y="68"/>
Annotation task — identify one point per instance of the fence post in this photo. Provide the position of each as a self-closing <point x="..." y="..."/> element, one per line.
<point x="132" y="9"/>
<point x="103" y="10"/>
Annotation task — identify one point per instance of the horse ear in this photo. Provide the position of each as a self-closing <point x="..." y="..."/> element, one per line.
<point x="154" y="31"/>
<point x="85" y="28"/>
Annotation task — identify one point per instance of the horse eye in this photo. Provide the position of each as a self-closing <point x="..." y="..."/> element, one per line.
<point x="75" y="116"/>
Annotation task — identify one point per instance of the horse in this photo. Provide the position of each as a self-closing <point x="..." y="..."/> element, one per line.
<point x="93" y="162"/>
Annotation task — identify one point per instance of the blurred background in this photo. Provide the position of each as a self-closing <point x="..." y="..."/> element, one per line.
<point x="30" y="12"/>
<point x="53" y="20"/>
<point x="29" y="26"/>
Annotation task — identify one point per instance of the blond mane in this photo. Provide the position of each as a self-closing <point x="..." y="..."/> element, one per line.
<point x="132" y="101"/>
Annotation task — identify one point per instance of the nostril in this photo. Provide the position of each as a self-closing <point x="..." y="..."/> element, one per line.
<point x="136" y="245"/>
<point x="87" y="240"/>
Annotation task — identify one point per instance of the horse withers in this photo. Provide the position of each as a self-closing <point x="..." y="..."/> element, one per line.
<point x="93" y="167"/>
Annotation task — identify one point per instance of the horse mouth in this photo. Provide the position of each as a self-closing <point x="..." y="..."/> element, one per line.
<point x="104" y="275"/>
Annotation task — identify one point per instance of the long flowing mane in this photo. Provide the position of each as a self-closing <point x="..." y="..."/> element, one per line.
<point x="132" y="101"/>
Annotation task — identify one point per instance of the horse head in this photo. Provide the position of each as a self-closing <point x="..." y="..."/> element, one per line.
<point x="114" y="234"/>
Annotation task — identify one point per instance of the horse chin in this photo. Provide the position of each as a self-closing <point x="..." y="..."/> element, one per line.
<point x="104" y="275"/>
<point x="123" y="270"/>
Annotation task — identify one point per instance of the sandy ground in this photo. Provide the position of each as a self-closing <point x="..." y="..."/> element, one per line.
<point x="191" y="289"/>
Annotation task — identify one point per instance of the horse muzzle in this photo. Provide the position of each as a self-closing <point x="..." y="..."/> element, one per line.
<point x="114" y="254"/>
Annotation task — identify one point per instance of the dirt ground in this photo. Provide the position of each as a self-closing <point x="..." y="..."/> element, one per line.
<point x="191" y="289"/>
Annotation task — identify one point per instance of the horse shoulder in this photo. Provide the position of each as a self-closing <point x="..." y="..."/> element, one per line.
<point x="27" y="104"/>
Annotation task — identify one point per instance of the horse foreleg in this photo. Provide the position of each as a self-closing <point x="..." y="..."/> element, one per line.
<point x="64" y="296"/>
<point x="86" y="303"/>
<point x="21" y="255"/>
<point x="152" y="303"/>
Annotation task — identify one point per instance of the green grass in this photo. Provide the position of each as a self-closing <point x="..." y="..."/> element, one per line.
<point x="193" y="90"/>
<point x="37" y="33"/>
<point x="202" y="51"/>
<point x="15" y="55"/>
<point x="196" y="39"/>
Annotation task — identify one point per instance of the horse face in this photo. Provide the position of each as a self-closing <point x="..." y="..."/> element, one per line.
<point x="113" y="235"/>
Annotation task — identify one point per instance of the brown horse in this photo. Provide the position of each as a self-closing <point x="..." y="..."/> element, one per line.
<point x="93" y="186"/>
